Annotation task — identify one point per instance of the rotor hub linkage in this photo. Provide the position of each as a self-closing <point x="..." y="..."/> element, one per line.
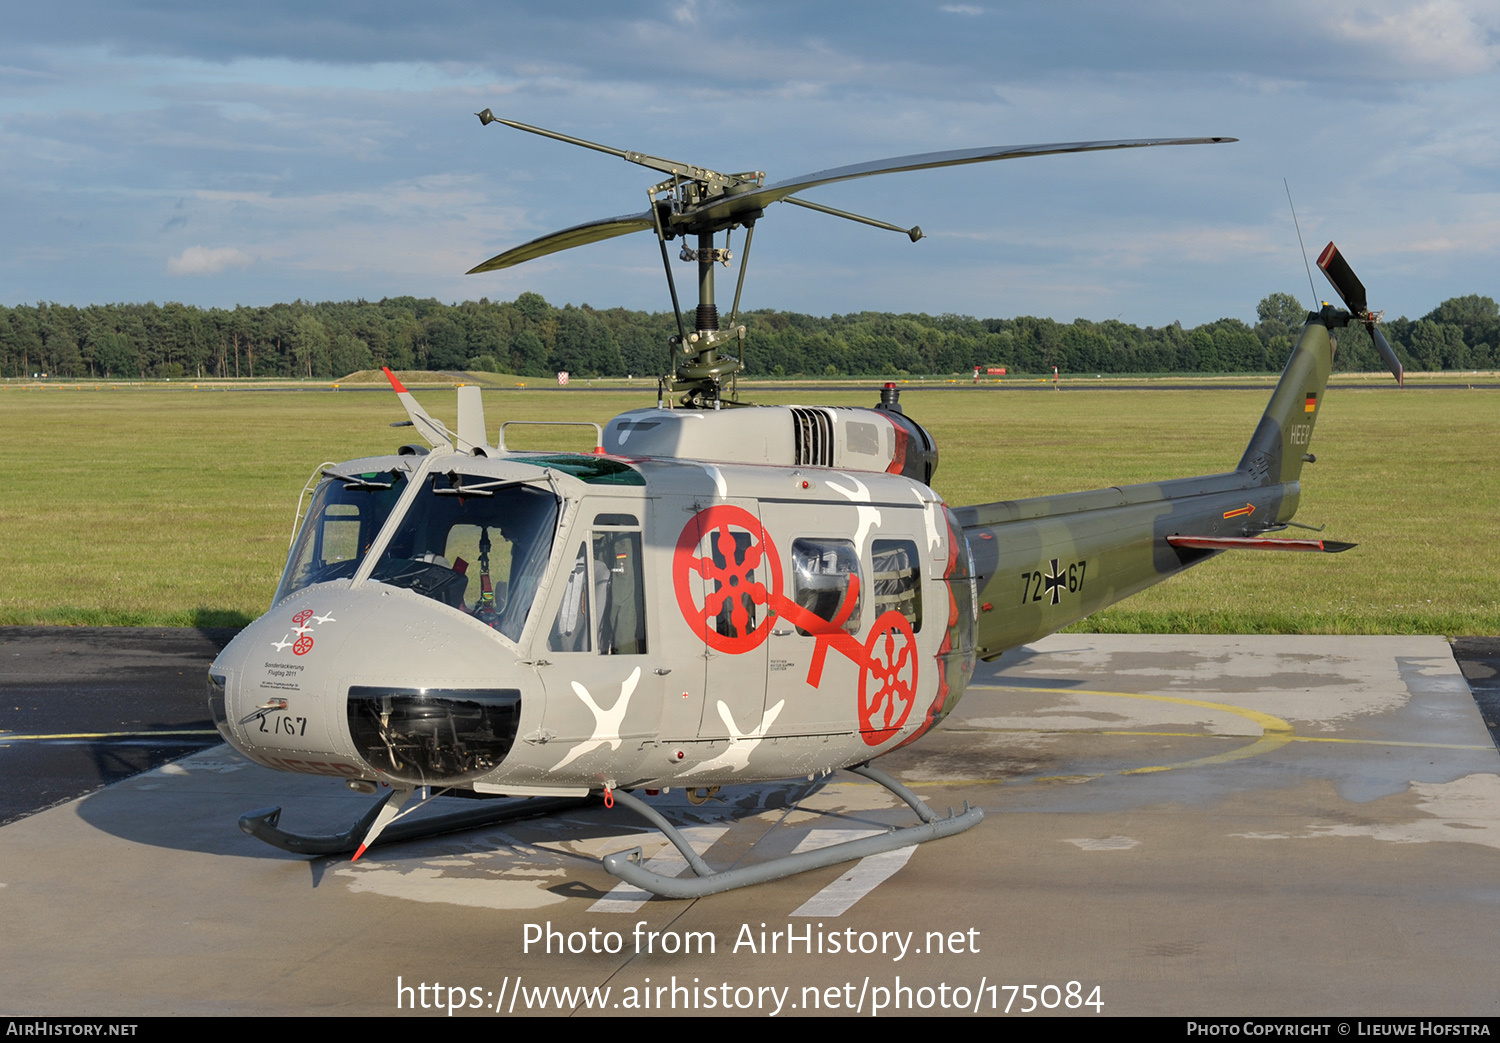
<point x="719" y="254"/>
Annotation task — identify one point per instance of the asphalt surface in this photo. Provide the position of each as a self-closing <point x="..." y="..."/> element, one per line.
<point x="81" y="707"/>
<point x="1479" y="659"/>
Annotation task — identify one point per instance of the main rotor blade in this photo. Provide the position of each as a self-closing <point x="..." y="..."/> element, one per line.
<point x="724" y="209"/>
<point x="435" y="431"/>
<point x="666" y="166"/>
<point x="733" y="207"/>
<point x="578" y="235"/>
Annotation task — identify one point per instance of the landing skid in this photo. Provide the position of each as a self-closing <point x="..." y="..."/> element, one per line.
<point x="263" y="824"/>
<point x="627" y="865"/>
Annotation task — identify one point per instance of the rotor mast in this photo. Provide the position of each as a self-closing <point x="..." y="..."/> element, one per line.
<point x="699" y="368"/>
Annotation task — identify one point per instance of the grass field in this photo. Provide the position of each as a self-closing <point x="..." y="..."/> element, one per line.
<point x="174" y="507"/>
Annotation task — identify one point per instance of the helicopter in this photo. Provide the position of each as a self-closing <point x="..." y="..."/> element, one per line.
<point x="719" y="593"/>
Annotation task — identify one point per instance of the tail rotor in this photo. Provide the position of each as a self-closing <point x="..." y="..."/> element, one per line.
<point x="1353" y="293"/>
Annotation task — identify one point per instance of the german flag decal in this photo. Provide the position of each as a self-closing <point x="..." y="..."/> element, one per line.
<point x="1312" y="402"/>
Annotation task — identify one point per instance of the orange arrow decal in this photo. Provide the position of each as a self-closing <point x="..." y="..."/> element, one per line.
<point x="1249" y="508"/>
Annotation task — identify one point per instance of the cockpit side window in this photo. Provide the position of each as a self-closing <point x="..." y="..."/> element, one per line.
<point x="343" y="520"/>
<point x="622" y="618"/>
<point x="571" y="629"/>
<point x="604" y="595"/>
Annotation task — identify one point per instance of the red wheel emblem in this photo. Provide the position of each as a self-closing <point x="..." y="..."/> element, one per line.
<point x="735" y="572"/>
<point x="302" y="645"/>
<point x="891" y="662"/>
<point x="302" y="617"/>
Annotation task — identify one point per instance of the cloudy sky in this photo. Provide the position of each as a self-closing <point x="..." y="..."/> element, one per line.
<point x="223" y="154"/>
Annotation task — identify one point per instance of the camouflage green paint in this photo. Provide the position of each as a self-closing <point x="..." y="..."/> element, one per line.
<point x="1045" y="562"/>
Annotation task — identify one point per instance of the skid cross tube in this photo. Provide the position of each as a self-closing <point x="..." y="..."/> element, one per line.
<point x="628" y="865"/>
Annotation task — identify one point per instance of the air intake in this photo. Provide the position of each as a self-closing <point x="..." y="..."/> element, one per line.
<point x="813" y="430"/>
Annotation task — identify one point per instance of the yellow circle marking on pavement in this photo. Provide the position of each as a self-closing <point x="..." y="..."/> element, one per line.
<point x="1275" y="732"/>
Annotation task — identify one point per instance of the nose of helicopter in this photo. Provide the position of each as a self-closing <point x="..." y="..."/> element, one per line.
<point x="374" y="683"/>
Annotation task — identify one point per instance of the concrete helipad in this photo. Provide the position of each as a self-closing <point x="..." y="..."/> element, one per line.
<point x="1174" y="825"/>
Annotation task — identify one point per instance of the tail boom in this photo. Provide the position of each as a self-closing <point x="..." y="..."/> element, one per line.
<point x="1043" y="563"/>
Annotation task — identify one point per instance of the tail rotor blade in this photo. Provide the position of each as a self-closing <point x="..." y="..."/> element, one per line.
<point x="1397" y="370"/>
<point x="1343" y="278"/>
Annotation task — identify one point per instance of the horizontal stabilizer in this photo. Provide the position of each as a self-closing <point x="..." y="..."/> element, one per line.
<point x="1256" y="543"/>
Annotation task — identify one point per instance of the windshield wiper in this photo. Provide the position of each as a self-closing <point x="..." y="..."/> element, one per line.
<point x="369" y="482"/>
<point x="457" y="488"/>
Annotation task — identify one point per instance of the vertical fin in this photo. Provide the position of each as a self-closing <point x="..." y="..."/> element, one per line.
<point x="438" y="436"/>
<point x="1285" y="430"/>
<point x="471" y="419"/>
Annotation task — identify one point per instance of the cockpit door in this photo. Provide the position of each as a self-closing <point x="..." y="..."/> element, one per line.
<point x="597" y="650"/>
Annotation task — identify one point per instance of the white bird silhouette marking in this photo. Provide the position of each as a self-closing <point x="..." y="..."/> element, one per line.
<point x="736" y="756"/>
<point x="606" y="722"/>
<point x="869" y="517"/>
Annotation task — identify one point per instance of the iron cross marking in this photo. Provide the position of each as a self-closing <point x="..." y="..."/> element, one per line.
<point x="1057" y="582"/>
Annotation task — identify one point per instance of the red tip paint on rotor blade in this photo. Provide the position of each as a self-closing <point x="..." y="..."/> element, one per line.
<point x="1327" y="255"/>
<point x="362" y="847"/>
<point x="400" y="391"/>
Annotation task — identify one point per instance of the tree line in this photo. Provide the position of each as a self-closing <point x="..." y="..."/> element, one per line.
<point x="530" y="337"/>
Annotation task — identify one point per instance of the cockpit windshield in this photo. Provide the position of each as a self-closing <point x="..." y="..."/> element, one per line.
<point x="477" y="544"/>
<point x="346" y="514"/>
